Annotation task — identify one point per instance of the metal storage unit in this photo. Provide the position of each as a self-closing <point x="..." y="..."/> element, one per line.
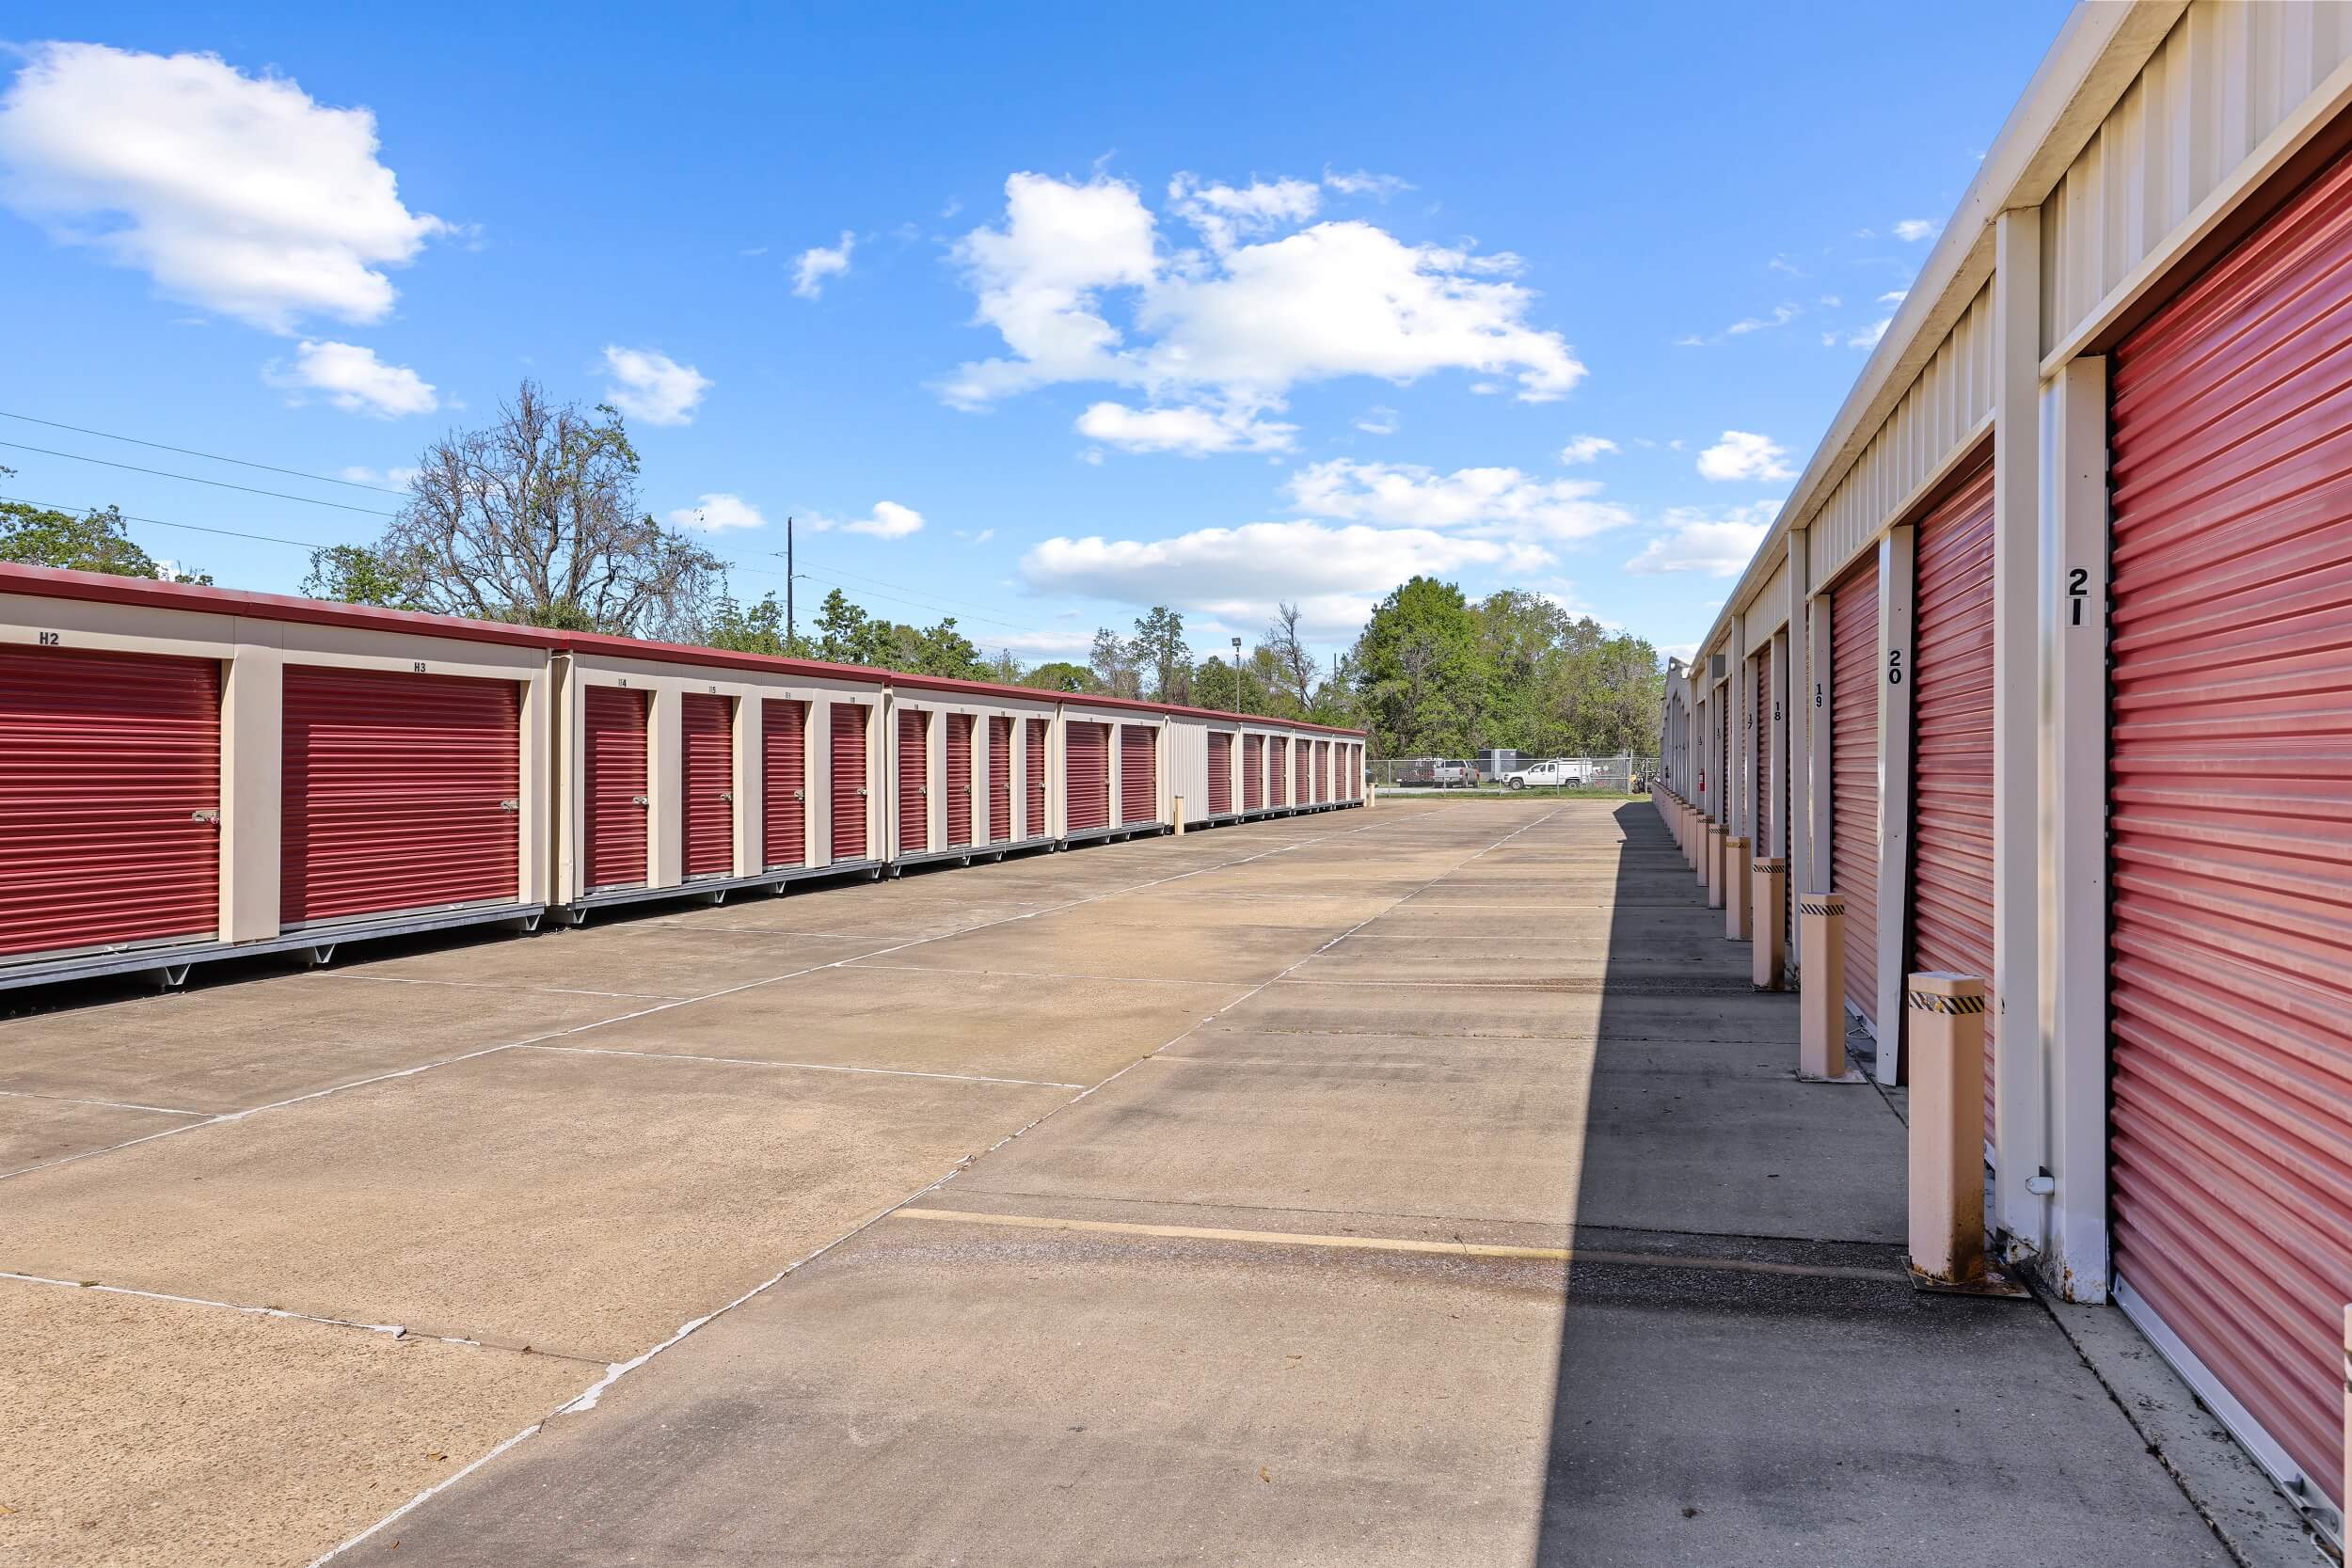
<point x="109" y="801"/>
<point x="617" y="762"/>
<point x="2230" y="766"/>
<point x="1854" y="770"/>
<point x="848" y="794"/>
<point x="784" y="780"/>
<point x="1087" y="776"/>
<point x="1951" y="747"/>
<point x="400" y="793"/>
<point x="1252" y="773"/>
<point x="1035" y="823"/>
<point x="1138" y="774"/>
<point x="1000" y="769"/>
<point x="959" y="781"/>
<point x="1283" y="777"/>
<point x="1220" y="773"/>
<point x="914" y="781"/>
<point x="707" y="754"/>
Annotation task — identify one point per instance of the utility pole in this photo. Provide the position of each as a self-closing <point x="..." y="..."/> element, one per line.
<point x="787" y="582"/>
<point x="1236" y="677"/>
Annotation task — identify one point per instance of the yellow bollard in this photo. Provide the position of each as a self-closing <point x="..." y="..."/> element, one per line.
<point x="1945" y="1019"/>
<point x="1768" y="881"/>
<point x="1180" y="816"/>
<point x="1736" y="888"/>
<point x="1821" y="992"/>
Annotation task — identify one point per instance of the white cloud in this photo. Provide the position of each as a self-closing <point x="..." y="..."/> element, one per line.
<point x="1241" y="325"/>
<point x="888" y="520"/>
<point x="1379" y="420"/>
<point x="1782" y="264"/>
<point x="717" y="511"/>
<point x="1868" y="337"/>
<point x="396" y="479"/>
<point x="1781" y="315"/>
<point x="1484" y="502"/>
<point x="1911" y="229"/>
<point x="353" y="379"/>
<point x="653" y="387"/>
<point x="1242" y="570"/>
<point x="1894" y="296"/>
<point x="1686" y="652"/>
<point x="1586" y="449"/>
<point x="1743" y="454"/>
<point x="816" y="264"/>
<point x="1364" y="181"/>
<point x="1190" y="430"/>
<point x="237" y="193"/>
<point x="1043" y="644"/>
<point x="1223" y="214"/>
<point x="1717" y="544"/>
<point x="1830" y="302"/>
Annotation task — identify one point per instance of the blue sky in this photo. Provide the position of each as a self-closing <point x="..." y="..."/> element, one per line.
<point x="1033" y="316"/>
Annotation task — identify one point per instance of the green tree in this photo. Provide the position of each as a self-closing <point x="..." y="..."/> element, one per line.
<point x="96" y="541"/>
<point x="1417" y="671"/>
<point x="1005" y="668"/>
<point x="356" y="574"/>
<point x="1158" y="650"/>
<point x="1062" y="675"/>
<point x="1114" y="665"/>
<point x="941" y="650"/>
<point x="756" y="629"/>
<point x="847" y="635"/>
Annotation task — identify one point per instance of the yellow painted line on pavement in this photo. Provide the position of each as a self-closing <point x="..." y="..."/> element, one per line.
<point x="1393" y="1244"/>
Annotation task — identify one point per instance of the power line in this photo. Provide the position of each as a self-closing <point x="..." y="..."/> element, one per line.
<point x="191" y="452"/>
<point x="159" y="522"/>
<point x="222" y="483"/>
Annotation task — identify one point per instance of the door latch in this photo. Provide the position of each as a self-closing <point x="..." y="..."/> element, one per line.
<point x="728" y="794"/>
<point x="640" y="800"/>
<point x="209" y="816"/>
<point x="800" y="795"/>
<point x="510" y="805"/>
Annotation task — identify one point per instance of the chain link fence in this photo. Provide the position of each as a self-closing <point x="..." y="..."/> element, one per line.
<point x="1617" y="775"/>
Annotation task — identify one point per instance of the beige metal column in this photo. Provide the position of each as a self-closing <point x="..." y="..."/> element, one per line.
<point x="817" y="737"/>
<point x="1796" y="706"/>
<point x="2018" y="1125"/>
<point x="252" y="748"/>
<point x="1896" y="581"/>
<point x="751" y="772"/>
<point x="665" y="790"/>
<point x="2072" y="848"/>
<point x="1739" y="695"/>
<point x="1819" y="816"/>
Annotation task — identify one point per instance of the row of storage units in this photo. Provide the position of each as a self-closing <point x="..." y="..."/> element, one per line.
<point x="2046" y="666"/>
<point x="189" y="772"/>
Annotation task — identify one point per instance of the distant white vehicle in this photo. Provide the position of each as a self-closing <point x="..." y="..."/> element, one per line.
<point x="1558" y="771"/>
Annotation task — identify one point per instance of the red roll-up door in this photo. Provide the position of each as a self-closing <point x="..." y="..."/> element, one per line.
<point x="399" y="792"/>
<point x="1220" y="773"/>
<point x="1853" y="777"/>
<point x="1000" y="780"/>
<point x="1951" y="747"/>
<point x="1282" y="771"/>
<point x="2231" y="764"/>
<point x="1035" y="826"/>
<point x="1138" y="773"/>
<point x="108" y="765"/>
<point x="1760" y="830"/>
<point x="784" y="781"/>
<point x="915" y="780"/>
<point x="1252" y="772"/>
<point x="1087" y="775"/>
<point x="706" y="776"/>
<point x="847" y="798"/>
<point x="614" y="789"/>
<point x="960" y="779"/>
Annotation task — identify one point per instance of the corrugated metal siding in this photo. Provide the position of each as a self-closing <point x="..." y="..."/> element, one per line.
<point x="1138" y="774"/>
<point x="846" y="797"/>
<point x="104" y="760"/>
<point x="1220" y="773"/>
<point x="1940" y="415"/>
<point x="707" y="780"/>
<point x="1281" y="771"/>
<point x="1035" y="827"/>
<point x="2231" y="764"/>
<point x="914" y="775"/>
<point x="2226" y="76"/>
<point x="958" y="780"/>
<point x="1853" y="777"/>
<point x="1087" y="775"/>
<point x="613" y="792"/>
<point x="1768" y="611"/>
<point x="1253" y="772"/>
<point x="1951" y="747"/>
<point x="399" y="792"/>
<point x="784" y="780"/>
<point x="1760" y="835"/>
<point x="1000" y="780"/>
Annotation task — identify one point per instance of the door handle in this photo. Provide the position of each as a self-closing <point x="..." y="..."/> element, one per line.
<point x="861" y="792"/>
<point x="211" y="817"/>
<point x="728" y="794"/>
<point x="510" y="805"/>
<point x="922" y="789"/>
<point x="640" y="800"/>
<point x="800" y="795"/>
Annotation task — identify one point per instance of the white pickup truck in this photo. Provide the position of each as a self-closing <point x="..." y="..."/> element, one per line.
<point x="1558" y="771"/>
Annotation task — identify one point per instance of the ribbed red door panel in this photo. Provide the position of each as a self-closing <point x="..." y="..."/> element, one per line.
<point x="1761" y="829"/>
<point x="846" y="797"/>
<point x="1951" y="747"/>
<point x="399" y="793"/>
<point x="914" y="775"/>
<point x="615" y="788"/>
<point x="960" y="779"/>
<point x="1087" y="775"/>
<point x="784" y="781"/>
<point x="1220" y="773"/>
<point x="1138" y="774"/>
<point x="706" y="775"/>
<point x="1282" y="771"/>
<point x="1853" y="777"/>
<point x="1035" y="826"/>
<point x="999" y="780"/>
<point x="2230" y="767"/>
<point x="1253" y="772"/>
<point x="104" y="761"/>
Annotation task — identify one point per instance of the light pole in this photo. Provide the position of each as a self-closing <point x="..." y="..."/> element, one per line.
<point x="1236" y="677"/>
